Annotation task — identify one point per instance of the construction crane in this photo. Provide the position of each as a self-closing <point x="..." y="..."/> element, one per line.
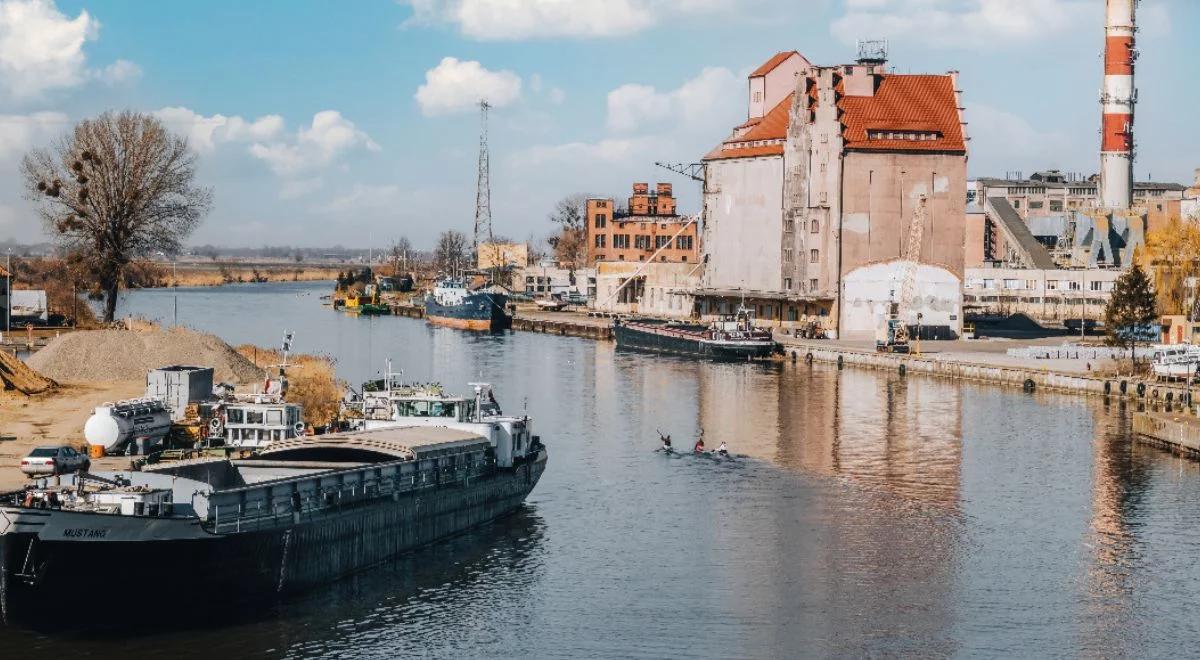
<point x="892" y="336"/>
<point x="693" y="171"/>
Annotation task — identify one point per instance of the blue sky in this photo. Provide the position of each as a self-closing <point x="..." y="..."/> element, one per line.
<point x="345" y="122"/>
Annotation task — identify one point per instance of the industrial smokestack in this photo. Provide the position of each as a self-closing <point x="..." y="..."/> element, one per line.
<point x="1117" y="100"/>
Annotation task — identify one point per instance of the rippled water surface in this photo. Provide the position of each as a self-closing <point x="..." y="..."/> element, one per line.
<point x="871" y="515"/>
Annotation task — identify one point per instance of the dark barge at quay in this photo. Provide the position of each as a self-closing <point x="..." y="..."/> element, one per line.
<point x="451" y="303"/>
<point x="728" y="338"/>
<point x="214" y="532"/>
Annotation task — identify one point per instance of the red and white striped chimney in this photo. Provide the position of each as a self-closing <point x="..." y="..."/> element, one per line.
<point x="1117" y="100"/>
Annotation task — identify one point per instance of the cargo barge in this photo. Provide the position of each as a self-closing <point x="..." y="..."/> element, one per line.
<point x="452" y="304"/>
<point x="215" y="531"/>
<point x="729" y="338"/>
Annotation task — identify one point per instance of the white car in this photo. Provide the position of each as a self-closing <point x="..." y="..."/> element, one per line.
<point x="54" y="460"/>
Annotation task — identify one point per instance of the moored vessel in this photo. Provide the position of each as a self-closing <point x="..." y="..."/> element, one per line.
<point x="300" y="513"/>
<point x="452" y="303"/>
<point x="729" y="337"/>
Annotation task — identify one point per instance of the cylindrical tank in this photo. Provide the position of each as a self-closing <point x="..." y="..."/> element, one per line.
<point x="114" y="424"/>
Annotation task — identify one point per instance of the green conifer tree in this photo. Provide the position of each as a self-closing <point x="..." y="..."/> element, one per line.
<point x="1132" y="312"/>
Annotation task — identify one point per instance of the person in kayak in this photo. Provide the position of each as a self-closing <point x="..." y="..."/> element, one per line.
<point x="698" y="448"/>
<point x="666" y="440"/>
<point x="723" y="450"/>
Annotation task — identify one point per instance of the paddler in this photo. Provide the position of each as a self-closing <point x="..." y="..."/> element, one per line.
<point x="723" y="450"/>
<point x="698" y="448"/>
<point x="666" y="440"/>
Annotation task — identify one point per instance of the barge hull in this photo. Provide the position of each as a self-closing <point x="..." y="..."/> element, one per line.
<point x="247" y="566"/>
<point x="637" y="339"/>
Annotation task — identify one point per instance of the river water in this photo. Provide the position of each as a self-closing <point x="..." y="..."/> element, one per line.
<point x="871" y="515"/>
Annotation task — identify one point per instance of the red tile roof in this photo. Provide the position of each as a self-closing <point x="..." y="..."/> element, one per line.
<point x="917" y="103"/>
<point x="773" y="126"/>
<point x="924" y="104"/>
<point x="769" y="65"/>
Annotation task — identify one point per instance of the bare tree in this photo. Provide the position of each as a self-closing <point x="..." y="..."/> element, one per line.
<point x="118" y="187"/>
<point x="569" y="241"/>
<point x="451" y="252"/>
<point x="401" y="252"/>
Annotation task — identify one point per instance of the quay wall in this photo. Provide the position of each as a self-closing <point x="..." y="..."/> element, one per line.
<point x="564" y="327"/>
<point x="1179" y="434"/>
<point x="1024" y="377"/>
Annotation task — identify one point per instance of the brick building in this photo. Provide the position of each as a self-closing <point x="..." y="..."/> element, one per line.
<point x="647" y="228"/>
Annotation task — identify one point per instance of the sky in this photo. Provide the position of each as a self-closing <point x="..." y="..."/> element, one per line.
<point x="354" y="123"/>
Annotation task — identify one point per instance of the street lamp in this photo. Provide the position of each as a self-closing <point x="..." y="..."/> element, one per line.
<point x="174" y="289"/>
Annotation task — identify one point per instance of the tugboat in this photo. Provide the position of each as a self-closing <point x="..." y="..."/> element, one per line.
<point x="731" y="337"/>
<point x="452" y="303"/>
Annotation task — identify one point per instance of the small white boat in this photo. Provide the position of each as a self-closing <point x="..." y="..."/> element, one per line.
<point x="1176" y="361"/>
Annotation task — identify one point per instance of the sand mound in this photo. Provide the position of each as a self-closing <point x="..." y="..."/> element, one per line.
<point x="16" y="375"/>
<point x="106" y="355"/>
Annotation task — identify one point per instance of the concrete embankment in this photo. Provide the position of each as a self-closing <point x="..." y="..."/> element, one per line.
<point x="993" y="369"/>
<point x="1176" y="432"/>
<point x="567" y="324"/>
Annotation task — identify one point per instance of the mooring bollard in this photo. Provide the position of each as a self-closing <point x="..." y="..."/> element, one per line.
<point x="840" y="360"/>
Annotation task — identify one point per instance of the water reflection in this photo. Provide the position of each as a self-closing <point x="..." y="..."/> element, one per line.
<point x="881" y="431"/>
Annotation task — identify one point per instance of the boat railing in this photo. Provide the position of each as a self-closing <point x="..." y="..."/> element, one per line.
<point x="301" y="506"/>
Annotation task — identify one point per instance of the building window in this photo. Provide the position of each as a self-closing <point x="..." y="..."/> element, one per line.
<point x="816" y="227"/>
<point x="661" y="241"/>
<point x="1096" y="285"/>
<point x="757" y="97"/>
<point x="683" y="242"/>
<point x="641" y="242"/>
<point x="621" y="241"/>
<point x="600" y="241"/>
<point x="1016" y="203"/>
<point x="814" y="255"/>
<point x="1052" y="285"/>
<point x="812" y="284"/>
<point x="1075" y="286"/>
<point x="1035" y="205"/>
<point x="787" y="255"/>
<point x="787" y="284"/>
<point x="1056" y="205"/>
<point x="1012" y="284"/>
<point x="1031" y="284"/>
<point x="601" y="220"/>
<point x="621" y="258"/>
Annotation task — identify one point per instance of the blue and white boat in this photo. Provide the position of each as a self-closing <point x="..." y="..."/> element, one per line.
<point x="452" y="303"/>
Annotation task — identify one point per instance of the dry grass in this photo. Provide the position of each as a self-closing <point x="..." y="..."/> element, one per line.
<point x="312" y="382"/>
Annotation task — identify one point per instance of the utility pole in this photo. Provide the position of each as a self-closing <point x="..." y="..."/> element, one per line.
<point x="8" y="294"/>
<point x="483" y="185"/>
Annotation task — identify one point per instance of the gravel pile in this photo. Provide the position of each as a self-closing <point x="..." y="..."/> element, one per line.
<point x="95" y="355"/>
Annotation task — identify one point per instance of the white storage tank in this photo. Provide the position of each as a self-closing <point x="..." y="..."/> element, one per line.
<point x="113" y="425"/>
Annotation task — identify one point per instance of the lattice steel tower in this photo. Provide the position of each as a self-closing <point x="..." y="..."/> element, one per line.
<point x="483" y="185"/>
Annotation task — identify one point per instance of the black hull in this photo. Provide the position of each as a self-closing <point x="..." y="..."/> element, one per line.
<point x="632" y="337"/>
<point x="480" y="311"/>
<point x="246" y="567"/>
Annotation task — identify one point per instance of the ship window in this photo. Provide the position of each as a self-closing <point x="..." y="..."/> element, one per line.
<point x="254" y="417"/>
<point x="236" y="416"/>
<point x="274" y="416"/>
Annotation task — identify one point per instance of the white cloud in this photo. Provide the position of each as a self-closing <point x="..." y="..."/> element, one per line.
<point x="1001" y="139"/>
<point x="19" y="133"/>
<point x="364" y="197"/>
<point x="300" y="187"/>
<point x="119" y="72"/>
<point x="454" y="85"/>
<point x="324" y="141"/>
<point x="205" y="133"/>
<point x="698" y="101"/>
<point x="525" y="19"/>
<point x="41" y="48"/>
<point x="610" y="150"/>
<point x="969" y="24"/>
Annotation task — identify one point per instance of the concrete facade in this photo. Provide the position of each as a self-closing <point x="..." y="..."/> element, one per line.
<point x="868" y="290"/>
<point x="653" y="288"/>
<point x="743" y="224"/>
<point x="1046" y="295"/>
